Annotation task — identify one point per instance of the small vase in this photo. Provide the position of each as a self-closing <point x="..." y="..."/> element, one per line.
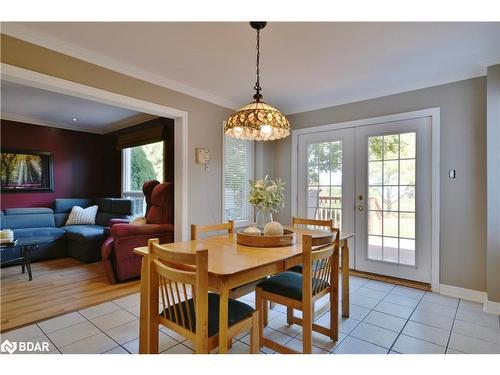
<point x="263" y="217"/>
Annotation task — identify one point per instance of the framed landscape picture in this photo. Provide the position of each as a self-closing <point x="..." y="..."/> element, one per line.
<point x="26" y="171"/>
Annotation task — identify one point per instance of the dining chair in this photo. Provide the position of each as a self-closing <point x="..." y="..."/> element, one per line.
<point x="315" y="224"/>
<point x="180" y="280"/>
<point x="320" y="260"/>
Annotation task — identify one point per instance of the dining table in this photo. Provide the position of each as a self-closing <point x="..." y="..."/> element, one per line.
<point x="231" y="265"/>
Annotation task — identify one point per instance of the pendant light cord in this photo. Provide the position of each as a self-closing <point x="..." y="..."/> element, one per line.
<point x="257" y="87"/>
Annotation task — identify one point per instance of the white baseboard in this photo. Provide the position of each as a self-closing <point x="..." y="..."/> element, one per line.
<point x="492" y="307"/>
<point x="463" y="293"/>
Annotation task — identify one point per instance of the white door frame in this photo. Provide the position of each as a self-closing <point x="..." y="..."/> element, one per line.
<point x="434" y="114"/>
<point x="31" y="78"/>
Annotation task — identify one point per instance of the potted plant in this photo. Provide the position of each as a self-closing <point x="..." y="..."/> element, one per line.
<point x="267" y="197"/>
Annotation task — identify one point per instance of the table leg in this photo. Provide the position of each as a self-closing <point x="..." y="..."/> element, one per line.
<point x="345" y="278"/>
<point x="223" y="315"/>
<point x="334" y="297"/>
<point x="144" y="313"/>
<point x="27" y="259"/>
<point x="23" y="254"/>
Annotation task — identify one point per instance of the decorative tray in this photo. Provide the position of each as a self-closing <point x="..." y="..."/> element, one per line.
<point x="262" y="240"/>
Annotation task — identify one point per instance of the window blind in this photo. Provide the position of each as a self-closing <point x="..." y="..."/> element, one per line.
<point x="238" y="170"/>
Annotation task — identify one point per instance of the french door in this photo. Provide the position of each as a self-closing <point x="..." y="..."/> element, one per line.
<point x="374" y="181"/>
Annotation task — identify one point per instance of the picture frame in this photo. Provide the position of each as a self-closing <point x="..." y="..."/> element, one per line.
<point x="26" y="171"/>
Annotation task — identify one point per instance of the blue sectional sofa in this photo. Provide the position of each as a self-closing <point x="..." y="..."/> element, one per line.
<point x="82" y="242"/>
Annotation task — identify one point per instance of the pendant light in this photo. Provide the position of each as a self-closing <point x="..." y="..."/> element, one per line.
<point x="257" y="121"/>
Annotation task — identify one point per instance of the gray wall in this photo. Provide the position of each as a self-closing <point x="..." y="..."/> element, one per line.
<point x="463" y="147"/>
<point x="493" y="150"/>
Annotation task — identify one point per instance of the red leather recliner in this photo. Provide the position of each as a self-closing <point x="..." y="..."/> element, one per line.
<point x="119" y="260"/>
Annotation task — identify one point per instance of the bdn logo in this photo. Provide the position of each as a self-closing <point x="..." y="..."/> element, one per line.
<point x="23" y="346"/>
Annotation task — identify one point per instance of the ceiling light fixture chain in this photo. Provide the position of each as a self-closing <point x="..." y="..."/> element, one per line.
<point x="257" y="87"/>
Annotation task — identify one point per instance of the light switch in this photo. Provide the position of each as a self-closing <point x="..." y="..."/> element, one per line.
<point x="451" y="174"/>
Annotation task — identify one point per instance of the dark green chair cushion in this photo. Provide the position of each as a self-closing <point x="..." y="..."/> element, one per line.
<point x="288" y="284"/>
<point x="237" y="311"/>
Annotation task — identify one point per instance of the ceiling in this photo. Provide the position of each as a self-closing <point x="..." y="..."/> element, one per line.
<point x="37" y="106"/>
<point x="304" y="65"/>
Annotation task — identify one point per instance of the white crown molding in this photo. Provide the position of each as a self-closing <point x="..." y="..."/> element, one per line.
<point x="492" y="307"/>
<point x="55" y="44"/>
<point x="463" y="293"/>
<point x="35" y="121"/>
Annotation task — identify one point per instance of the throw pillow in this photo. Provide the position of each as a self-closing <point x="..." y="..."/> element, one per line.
<point x="80" y="215"/>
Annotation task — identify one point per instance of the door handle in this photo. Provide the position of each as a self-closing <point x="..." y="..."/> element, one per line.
<point x="360" y="207"/>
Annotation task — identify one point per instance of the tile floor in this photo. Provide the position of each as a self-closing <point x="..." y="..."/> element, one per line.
<point x="385" y="318"/>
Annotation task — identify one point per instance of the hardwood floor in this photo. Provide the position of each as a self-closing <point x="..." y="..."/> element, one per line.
<point x="59" y="286"/>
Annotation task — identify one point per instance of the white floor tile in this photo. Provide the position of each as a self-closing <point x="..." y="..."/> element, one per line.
<point x="432" y="319"/>
<point x="60" y="322"/>
<point x="440" y="299"/>
<point x="363" y="301"/>
<point x="480" y="318"/>
<point x="276" y="336"/>
<point x="22" y="334"/>
<point x="424" y="332"/>
<point x="178" y="349"/>
<point x="393" y="309"/>
<point x="452" y="351"/>
<point x="96" y="344"/>
<point x="131" y="300"/>
<point x="379" y="285"/>
<point x="375" y="335"/>
<point x="470" y="306"/>
<point x="356" y="312"/>
<point x="386" y="321"/>
<point x="433" y="308"/>
<point x="113" y="319"/>
<point x="411" y="345"/>
<point x="401" y="300"/>
<point x="369" y="292"/>
<point x="478" y="332"/>
<point x="69" y="335"/>
<point x="280" y="324"/>
<point x="136" y="310"/>
<point x="98" y="310"/>
<point x="468" y="344"/>
<point x="407" y="292"/>
<point x="346" y="325"/>
<point x="125" y="333"/>
<point x="322" y="341"/>
<point x="352" y="345"/>
<point x="165" y="342"/>
<point x="117" y="350"/>
<point x="239" y="348"/>
<point x="296" y="345"/>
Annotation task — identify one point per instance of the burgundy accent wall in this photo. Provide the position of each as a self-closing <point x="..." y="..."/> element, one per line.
<point x="84" y="163"/>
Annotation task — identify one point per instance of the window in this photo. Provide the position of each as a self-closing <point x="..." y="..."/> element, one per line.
<point x="238" y="170"/>
<point x="141" y="164"/>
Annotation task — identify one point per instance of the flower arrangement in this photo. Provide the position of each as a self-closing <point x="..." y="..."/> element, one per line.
<point x="267" y="196"/>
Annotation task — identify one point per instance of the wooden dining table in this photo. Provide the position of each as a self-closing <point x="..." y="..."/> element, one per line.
<point x="231" y="265"/>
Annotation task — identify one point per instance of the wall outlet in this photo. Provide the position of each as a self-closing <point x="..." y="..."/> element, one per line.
<point x="452" y="174"/>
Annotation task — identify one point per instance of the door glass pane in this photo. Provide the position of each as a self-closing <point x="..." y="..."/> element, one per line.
<point x="375" y="173"/>
<point x="375" y="247"/>
<point x="324" y="181"/>
<point x="391" y="198"/>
